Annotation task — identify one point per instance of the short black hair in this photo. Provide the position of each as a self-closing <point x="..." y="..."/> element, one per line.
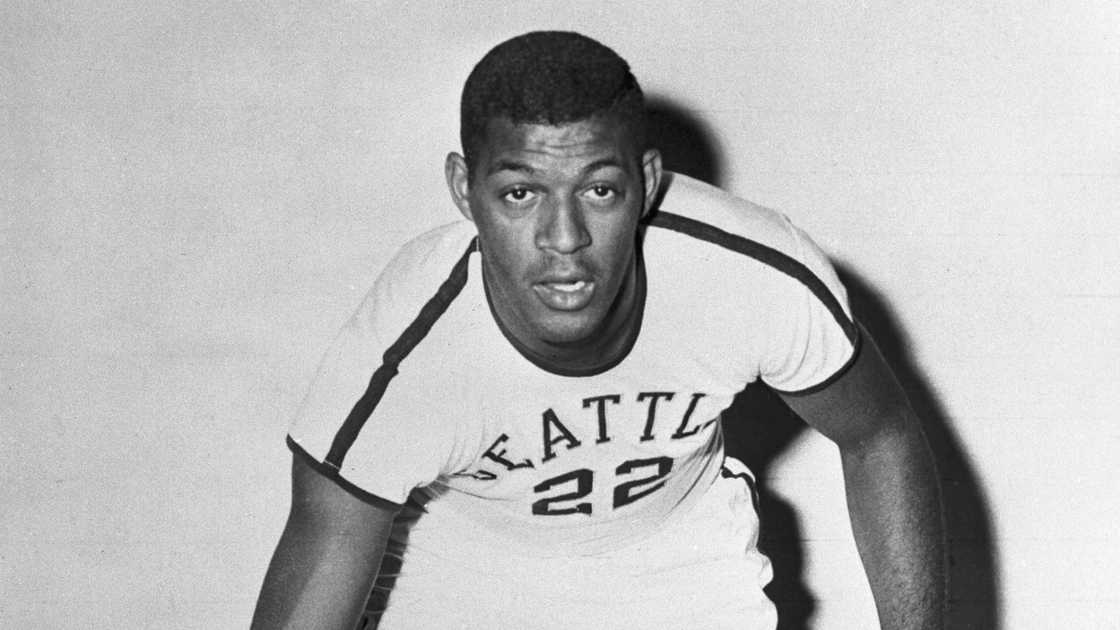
<point x="549" y="77"/>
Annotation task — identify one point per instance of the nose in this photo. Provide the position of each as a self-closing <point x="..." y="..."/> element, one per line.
<point x="562" y="228"/>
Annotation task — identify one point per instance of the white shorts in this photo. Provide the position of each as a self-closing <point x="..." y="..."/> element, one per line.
<point x="702" y="570"/>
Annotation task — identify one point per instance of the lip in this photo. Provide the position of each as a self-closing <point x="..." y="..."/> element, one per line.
<point x="565" y="293"/>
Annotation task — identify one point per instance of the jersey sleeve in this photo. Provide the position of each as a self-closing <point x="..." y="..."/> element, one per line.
<point x="814" y="338"/>
<point x="370" y="420"/>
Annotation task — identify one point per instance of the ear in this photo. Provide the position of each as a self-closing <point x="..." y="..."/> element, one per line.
<point x="458" y="183"/>
<point x="651" y="172"/>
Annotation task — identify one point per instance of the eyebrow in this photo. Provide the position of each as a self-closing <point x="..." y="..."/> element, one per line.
<point x="603" y="163"/>
<point x="510" y="165"/>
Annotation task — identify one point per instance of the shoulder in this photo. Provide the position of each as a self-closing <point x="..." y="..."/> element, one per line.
<point x="431" y="254"/>
<point x="707" y="214"/>
<point x="431" y="267"/>
<point x="703" y="234"/>
<point x="692" y="216"/>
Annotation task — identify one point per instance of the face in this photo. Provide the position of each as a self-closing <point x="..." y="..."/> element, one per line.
<point x="557" y="209"/>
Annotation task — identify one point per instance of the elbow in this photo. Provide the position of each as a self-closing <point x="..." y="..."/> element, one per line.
<point x="895" y="436"/>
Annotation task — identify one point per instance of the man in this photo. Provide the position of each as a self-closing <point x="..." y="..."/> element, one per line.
<point x="525" y="409"/>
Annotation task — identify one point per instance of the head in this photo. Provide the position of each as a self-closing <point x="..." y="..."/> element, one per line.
<point x="555" y="175"/>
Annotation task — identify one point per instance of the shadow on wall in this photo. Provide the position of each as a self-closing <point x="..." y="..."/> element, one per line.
<point x="974" y="589"/>
<point x="688" y="147"/>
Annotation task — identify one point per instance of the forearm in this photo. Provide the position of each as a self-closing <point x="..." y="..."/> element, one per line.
<point x="895" y="506"/>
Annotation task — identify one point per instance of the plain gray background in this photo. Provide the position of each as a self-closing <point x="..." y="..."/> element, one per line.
<point x="195" y="195"/>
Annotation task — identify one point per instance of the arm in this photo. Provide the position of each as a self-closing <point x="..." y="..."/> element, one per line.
<point x="891" y="485"/>
<point x="327" y="558"/>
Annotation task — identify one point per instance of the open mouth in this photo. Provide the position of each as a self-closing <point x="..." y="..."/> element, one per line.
<point x="569" y="295"/>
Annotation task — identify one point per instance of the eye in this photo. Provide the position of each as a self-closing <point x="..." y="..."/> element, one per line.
<point x="518" y="195"/>
<point x="601" y="193"/>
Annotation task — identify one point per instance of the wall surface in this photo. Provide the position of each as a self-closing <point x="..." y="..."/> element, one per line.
<point x="194" y="196"/>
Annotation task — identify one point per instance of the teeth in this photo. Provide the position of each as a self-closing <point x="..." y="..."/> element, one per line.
<point x="569" y="286"/>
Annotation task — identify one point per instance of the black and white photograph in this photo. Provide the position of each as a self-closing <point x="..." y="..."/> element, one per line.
<point x="559" y="315"/>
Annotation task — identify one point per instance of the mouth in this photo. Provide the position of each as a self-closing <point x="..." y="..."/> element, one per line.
<point x="565" y="294"/>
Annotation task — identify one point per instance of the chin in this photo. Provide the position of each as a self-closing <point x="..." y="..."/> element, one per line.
<point x="575" y="331"/>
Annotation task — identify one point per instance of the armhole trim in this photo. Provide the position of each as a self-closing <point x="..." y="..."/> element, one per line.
<point x="333" y="474"/>
<point x="857" y="346"/>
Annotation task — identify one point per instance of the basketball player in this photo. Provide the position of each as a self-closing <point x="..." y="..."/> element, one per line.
<point x="520" y="426"/>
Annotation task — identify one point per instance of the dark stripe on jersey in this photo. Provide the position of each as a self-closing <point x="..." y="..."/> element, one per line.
<point x="762" y="253"/>
<point x="331" y="473"/>
<point x="391" y="360"/>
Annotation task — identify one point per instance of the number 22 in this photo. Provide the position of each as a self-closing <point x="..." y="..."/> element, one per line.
<point x="625" y="493"/>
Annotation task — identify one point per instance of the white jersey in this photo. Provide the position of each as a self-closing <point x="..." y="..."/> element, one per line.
<point x="424" y="394"/>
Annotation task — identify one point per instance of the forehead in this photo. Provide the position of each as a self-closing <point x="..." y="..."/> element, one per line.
<point x="594" y="139"/>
